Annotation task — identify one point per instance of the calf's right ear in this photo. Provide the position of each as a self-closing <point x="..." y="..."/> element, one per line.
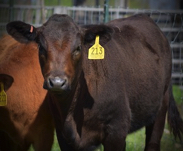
<point x="21" y="31"/>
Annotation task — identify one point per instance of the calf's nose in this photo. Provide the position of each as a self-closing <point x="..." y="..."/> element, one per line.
<point x="56" y="83"/>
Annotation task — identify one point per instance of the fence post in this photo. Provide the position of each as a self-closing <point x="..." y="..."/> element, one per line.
<point x="43" y="12"/>
<point x="106" y="11"/>
<point x="11" y="13"/>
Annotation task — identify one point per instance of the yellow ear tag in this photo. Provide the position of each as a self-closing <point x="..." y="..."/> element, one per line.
<point x="96" y="51"/>
<point x="3" y="96"/>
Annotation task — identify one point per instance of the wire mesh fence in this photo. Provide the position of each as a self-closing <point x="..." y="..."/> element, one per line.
<point x="170" y="22"/>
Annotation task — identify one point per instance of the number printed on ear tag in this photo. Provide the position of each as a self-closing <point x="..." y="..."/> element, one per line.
<point x="96" y="51"/>
<point x="3" y="96"/>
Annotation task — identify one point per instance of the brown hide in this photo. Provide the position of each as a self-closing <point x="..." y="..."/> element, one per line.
<point x="26" y="118"/>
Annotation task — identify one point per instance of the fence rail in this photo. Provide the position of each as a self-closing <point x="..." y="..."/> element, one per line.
<point x="170" y="22"/>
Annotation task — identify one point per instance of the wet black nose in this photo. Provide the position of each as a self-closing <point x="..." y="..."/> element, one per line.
<point x="56" y="83"/>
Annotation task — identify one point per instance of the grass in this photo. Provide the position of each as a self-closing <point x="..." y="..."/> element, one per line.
<point x="178" y="94"/>
<point x="136" y="141"/>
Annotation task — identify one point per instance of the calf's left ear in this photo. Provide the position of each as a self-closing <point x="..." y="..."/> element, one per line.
<point x="104" y="32"/>
<point x="21" y="31"/>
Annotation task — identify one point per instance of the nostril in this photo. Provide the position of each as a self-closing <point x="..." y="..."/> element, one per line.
<point x="63" y="82"/>
<point x="51" y="83"/>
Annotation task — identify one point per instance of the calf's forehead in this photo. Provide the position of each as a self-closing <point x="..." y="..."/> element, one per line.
<point x="58" y="27"/>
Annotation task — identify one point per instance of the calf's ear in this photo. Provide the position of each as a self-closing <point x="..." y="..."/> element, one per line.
<point x="21" y="31"/>
<point x="104" y="32"/>
<point x="7" y="81"/>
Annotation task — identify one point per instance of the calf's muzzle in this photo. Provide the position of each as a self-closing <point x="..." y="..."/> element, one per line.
<point x="56" y="83"/>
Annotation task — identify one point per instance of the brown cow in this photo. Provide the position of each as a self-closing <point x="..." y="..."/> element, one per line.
<point x="102" y="100"/>
<point x="26" y="118"/>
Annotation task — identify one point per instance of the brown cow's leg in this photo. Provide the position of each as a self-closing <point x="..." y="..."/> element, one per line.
<point x="154" y="131"/>
<point x="26" y="146"/>
<point x="44" y="138"/>
<point x="6" y="144"/>
<point x="44" y="143"/>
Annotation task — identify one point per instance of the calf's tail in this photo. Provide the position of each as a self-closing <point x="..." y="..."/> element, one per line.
<point x="174" y="119"/>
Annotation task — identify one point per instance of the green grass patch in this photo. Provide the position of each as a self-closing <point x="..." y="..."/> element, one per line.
<point x="178" y="94"/>
<point x="136" y="141"/>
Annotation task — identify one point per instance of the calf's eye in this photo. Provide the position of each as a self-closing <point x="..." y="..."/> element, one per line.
<point x="77" y="51"/>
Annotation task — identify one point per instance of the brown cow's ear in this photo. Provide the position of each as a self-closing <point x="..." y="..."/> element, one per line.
<point x="7" y="81"/>
<point x="21" y="31"/>
<point x="104" y="32"/>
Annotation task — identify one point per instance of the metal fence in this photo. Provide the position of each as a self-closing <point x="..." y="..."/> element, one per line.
<point x="170" y="22"/>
